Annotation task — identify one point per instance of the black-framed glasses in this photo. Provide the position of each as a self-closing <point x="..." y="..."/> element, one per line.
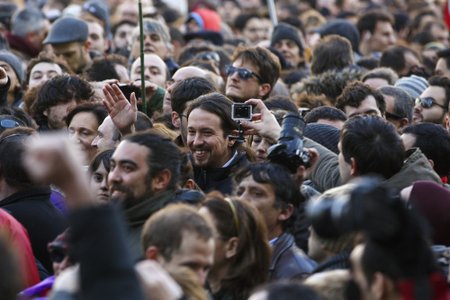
<point x="243" y="73"/>
<point x="428" y="102"/>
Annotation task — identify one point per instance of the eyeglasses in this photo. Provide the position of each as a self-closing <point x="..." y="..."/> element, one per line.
<point x="243" y="73"/>
<point x="428" y="102"/>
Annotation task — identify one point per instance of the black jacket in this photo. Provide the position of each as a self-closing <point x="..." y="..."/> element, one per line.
<point x="43" y="221"/>
<point x="219" y="179"/>
<point x="288" y="261"/>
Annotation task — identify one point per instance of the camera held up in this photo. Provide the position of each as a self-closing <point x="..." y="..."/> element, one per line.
<point x="289" y="151"/>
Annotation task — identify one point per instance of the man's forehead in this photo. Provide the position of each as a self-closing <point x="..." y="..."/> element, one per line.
<point x="434" y="91"/>
<point x="245" y="63"/>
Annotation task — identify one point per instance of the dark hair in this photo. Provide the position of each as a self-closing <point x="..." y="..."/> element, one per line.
<point x="124" y="22"/>
<point x="235" y="218"/>
<point x="445" y="54"/>
<point x="443" y="82"/>
<point x="374" y="145"/>
<point x="369" y="20"/>
<point x="332" y="52"/>
<point x="241" y="20"/>
<point x="173" y="221"/>
<point x="268" y="66"/>
<point x="394" y="58"/>
<point x="12" y="149"/>
<point x="325" y="112"/>
<point x="286" y="190"/>
<point x="355" y="93"/>
<point x="281" y="102"/>
<point x="163" y="154"/>
<point x="188" y="90"/>
<point x="47" y="57"/>
<point x="403" y="102"/>
<point x="143" y="122"/>
<point x="434" y="141"/>
<point x="59" y="90"/>
<point x="218" y="105"/>
<point x="384" y="73"/>
<point x="290" y="291"/>
<point x="103" y="68"/>
<point x="98" y="110"/>
<point x="103" y="157"/>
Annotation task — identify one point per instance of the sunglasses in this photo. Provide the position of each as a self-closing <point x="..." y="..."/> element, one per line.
<point x="243" y="73"/>
<point x="428" y="102"/>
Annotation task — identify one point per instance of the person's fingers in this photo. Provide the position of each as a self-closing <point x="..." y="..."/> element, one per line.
<point x="133" y="101"/>
<point x="256" y="117"/>
<point x="118" y="94"/>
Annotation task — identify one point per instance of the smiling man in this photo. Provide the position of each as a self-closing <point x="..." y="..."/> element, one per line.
<point x="215" y="155"/>
<point x="433" y="104"/>
<point x="145" y="169"/>
<point x="253" y="74"/>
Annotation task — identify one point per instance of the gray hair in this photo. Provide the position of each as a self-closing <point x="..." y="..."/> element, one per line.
<point x="403" y="102"/>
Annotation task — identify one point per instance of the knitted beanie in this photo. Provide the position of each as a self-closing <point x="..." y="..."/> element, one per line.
<point x="285" y="31"/>
<point x="324" y="134"/>
<point x="14" y="62"/>
<point x="414" y="85"/>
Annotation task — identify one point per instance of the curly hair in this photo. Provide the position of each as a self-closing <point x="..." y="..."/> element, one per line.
<point x="59" y="90"/>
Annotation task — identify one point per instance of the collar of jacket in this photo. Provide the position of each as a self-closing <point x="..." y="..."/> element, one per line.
<point x="30" y="192"/>
<point x="139" y="213"/>
<point x="283" y="243"/>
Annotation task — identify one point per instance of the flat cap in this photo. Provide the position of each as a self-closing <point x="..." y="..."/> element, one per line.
<point x="67" y="30"/>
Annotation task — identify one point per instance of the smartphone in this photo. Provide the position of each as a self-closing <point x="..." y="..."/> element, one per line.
<point x="128" y="89"/>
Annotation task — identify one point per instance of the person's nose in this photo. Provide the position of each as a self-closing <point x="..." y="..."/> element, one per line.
<point x="95" y="141"/>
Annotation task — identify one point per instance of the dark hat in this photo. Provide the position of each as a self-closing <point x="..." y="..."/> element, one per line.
<point x="343" y="28"/>
<point x="67" y="30"/>
<point x="432" y="200"/>
<point x="285" y="31"/>
<point x="98" y="10"/>
<point x="214" y="37"/>
<point x="14" y="62"/>
<point x="324" y="134"/>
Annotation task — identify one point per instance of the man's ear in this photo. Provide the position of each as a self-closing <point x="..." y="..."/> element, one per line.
<point x="176" y="121"/>
<point x="152" y="253"/>
<point x="189" y="184"/>
<point x="353" y="167"/>
<point x="404" y="122"/>
<point x="231" y="247"/>
<point x="366" y="35"/>
<point x="161" y="180"/>
<point x="45" y="112"/>
<point x="286" y="213"/>
<point x="264" y="89"/>
<point x="447" y="122"/>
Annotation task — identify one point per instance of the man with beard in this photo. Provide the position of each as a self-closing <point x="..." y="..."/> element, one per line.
<point x="432" y="105"/>
<point x="145" y="169"/>
<point x="215" y="154"/>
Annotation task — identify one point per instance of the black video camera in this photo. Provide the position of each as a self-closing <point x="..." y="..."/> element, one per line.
<point x="370" y="206"/>
<point x="289" y="150"/>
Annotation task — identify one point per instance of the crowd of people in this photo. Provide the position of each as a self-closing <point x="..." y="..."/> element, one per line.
<point x="224" y="150"/>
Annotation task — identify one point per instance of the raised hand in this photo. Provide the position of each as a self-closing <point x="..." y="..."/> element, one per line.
<point x="263" y="123"/>
<point x="122" y="112"/>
